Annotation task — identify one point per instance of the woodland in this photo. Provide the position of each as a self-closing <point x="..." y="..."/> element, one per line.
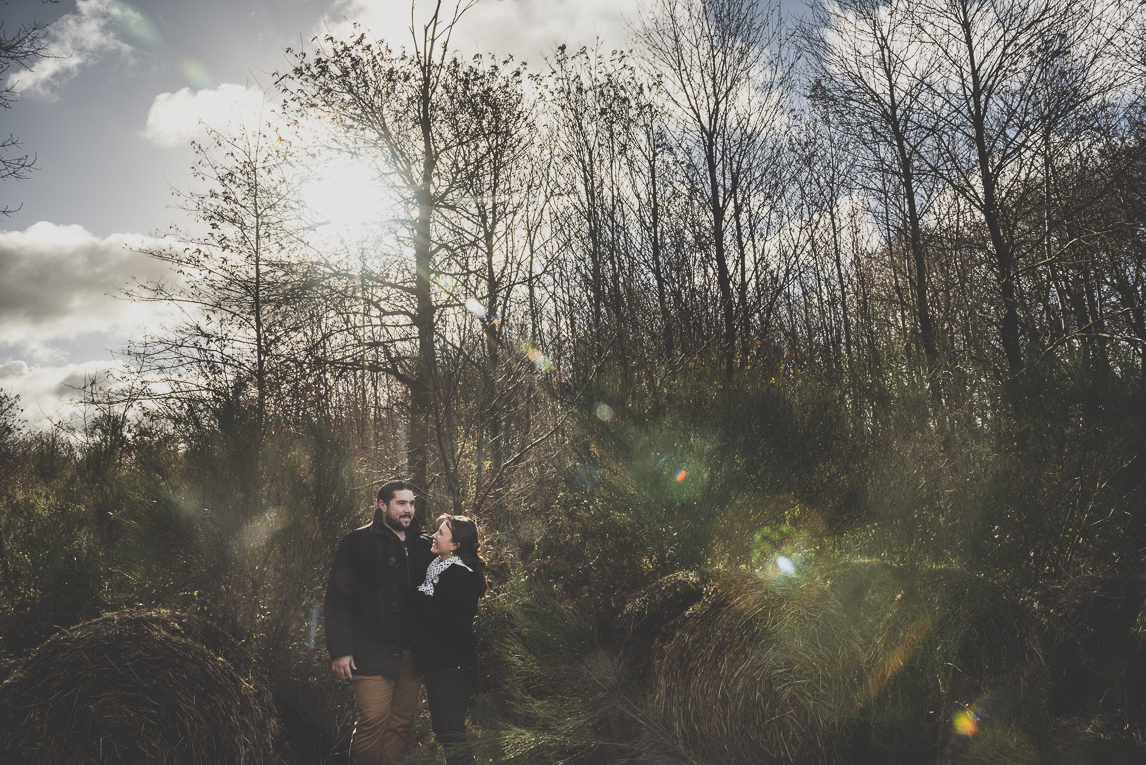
<point x="792" y="369"/>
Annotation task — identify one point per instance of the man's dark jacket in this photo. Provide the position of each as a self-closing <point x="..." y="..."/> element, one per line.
<point x="368" y="595"/>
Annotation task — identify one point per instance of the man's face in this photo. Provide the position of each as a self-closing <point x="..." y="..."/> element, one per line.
<point x="398" y="513"/>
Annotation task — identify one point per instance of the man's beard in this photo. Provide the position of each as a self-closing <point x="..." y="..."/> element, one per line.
<point x="395" y="523"/>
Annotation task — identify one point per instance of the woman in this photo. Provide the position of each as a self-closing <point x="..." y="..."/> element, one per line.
<point x="446" y="648"/>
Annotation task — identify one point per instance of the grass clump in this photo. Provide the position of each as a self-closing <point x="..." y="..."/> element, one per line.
<point x="135" y="687"/>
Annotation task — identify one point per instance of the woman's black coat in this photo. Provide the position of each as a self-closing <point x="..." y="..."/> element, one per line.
<point x="445" y="632"/>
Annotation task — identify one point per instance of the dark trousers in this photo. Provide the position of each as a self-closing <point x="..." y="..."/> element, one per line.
<point x="449" y="693"/>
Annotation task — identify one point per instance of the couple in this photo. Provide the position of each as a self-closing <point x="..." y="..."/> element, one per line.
<point x="399" y="607"/>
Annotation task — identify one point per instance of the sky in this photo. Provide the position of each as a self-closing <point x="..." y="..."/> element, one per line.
<point x="110" y="118"/>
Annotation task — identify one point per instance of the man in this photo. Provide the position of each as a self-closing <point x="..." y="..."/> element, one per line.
<point x="369" y="628"/>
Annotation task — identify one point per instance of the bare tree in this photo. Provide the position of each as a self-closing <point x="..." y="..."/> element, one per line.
<point x="238" y="284"/>
<point x="1009" y="74"/>
<point x="722" y="70"/>
<point x="872" y="71"/>
<point x="386" y="108"/>
<point x="17" y="50"/>
<point x="487" y="269"/>
<point x="587" y="102"/>
<point x="651" y="166"/>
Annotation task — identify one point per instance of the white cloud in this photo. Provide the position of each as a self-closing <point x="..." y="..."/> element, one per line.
<point x="177" y="118"/>
<point x="51" y="394"/>
<point x="527" y="29"/>
<point x="73" y="41"/>
<point x="56" y="282"/>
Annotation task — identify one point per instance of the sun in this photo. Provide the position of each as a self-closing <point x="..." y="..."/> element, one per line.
<point x="346" y="199"/>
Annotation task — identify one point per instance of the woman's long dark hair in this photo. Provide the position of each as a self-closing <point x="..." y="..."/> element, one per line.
<point x="465" y="534"/>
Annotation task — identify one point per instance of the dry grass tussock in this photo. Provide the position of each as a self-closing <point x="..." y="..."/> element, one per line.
<point x="855" y="662"/>
<point x="752" y="674"/>
<point x="138" y="686"/>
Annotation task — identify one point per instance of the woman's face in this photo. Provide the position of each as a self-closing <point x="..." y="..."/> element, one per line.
<point x="444" y="544"/>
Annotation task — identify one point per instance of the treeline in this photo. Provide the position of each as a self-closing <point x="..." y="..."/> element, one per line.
<point x="938" y="189"/>
<point x="755" y="321"/>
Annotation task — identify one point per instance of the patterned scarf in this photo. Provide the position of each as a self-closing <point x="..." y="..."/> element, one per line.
<point x="435" y="570"/>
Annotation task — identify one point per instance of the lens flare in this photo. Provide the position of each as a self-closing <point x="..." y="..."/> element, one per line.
<point x="605" y="412"/>
<point x="965" y="723"/>
<point x="476" y="308"/>
<point x="662" y="461"/>
<point x="895" y="660"/>
<point x="785" y="564"/>
<point x="586" y="476"/>
<point x="197" y="74"/>
<point x="539" y="359"/>
<point x="447" y="284"/>
<point x="135" y="24"/>
<point x="681" y="475"/>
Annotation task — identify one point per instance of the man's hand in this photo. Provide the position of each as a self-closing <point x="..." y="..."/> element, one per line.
<point x="342" y="667"/>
